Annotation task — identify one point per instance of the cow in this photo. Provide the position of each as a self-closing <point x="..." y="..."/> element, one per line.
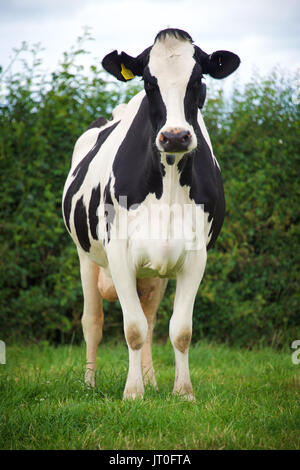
<point x="155" y="153"/>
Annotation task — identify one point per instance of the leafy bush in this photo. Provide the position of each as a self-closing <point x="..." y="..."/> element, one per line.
<point x="249" y="294"/>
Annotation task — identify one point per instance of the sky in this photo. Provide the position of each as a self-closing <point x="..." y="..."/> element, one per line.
<point x="264" y="33"/>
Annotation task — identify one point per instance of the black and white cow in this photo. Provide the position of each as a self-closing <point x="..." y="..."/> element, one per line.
<point x="124" y="202"/>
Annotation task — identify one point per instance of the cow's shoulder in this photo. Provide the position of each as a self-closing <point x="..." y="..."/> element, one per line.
<point x="95" y="134"/>
<point x="117" y="114"/>
<point x="99" y="122"/>
<point x="84" y="144"/>
<point x="89" y="138"/>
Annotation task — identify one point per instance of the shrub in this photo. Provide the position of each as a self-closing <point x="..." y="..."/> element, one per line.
<point x="249" y="294"/>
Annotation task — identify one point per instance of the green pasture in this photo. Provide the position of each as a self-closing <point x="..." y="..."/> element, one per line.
<point x="244" y="400"/>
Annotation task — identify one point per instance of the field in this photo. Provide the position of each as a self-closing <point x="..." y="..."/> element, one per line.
<point x="244" y="400"/>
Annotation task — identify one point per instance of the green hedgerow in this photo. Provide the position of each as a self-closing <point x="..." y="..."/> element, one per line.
<point x="249" y="295"/>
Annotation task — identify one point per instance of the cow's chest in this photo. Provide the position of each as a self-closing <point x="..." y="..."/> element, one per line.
<point x="162" y="233"/>
<point x="160" y="247"/>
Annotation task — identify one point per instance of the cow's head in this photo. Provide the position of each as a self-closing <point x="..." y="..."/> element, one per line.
<point x="172" y="70"/>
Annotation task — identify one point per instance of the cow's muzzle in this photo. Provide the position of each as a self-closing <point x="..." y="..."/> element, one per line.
<point x="175" y="140"/>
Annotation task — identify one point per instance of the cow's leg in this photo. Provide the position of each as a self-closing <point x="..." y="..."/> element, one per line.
<point x="181" y="321"/>
<point x="134" y="320"/>
<point x="92" y="319"/>
<point x="150" y="292"/>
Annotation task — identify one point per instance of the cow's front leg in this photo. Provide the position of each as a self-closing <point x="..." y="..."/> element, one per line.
<point x="181" y="321"/>
<point x="134" y="320"/>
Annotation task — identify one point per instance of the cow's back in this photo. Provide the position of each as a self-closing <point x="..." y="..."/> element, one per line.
<point x="89" y="176"/>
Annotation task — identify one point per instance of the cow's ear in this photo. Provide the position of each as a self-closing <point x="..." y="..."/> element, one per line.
<point x="220" y="64"/>
<point x="122" y="66"/>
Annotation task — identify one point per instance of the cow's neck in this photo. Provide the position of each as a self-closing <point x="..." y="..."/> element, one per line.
<point x="173" y="192"/>
<point x="198" y="173"/>
<point x="137" y="168"/>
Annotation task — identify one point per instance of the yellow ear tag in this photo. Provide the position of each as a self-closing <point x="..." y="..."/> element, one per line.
<point x="127" y="74"/>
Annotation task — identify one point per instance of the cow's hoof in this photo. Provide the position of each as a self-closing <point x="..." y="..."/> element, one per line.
<point x="185" y="396"/>
<point x="133" y="393"/>
<point x="149" y="379"/>
<point x="132" y="396"/>
<point x="184" y="391"/>
<point x="189" y="397"/>
<point x="89" y="378"/>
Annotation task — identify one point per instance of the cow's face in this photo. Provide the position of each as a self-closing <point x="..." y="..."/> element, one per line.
<point x="172" y="70"/>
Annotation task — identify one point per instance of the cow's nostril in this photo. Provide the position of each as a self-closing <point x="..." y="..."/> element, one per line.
<point x="186" y="138"/>
<point x="163" y="139"/>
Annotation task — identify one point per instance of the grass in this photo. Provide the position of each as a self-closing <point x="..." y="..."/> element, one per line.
<point x="244" y="400"/>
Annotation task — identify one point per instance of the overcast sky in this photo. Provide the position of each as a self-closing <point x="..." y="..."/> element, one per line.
<point x="264" y="33"/>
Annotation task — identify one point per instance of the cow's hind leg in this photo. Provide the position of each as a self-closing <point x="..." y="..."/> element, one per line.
<point x="181" y="321"/>
<point x="92" y="319"/>
<point x="150" y="292"/>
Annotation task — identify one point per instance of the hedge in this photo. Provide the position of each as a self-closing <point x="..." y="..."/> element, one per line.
<point x="249" y="295"/>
